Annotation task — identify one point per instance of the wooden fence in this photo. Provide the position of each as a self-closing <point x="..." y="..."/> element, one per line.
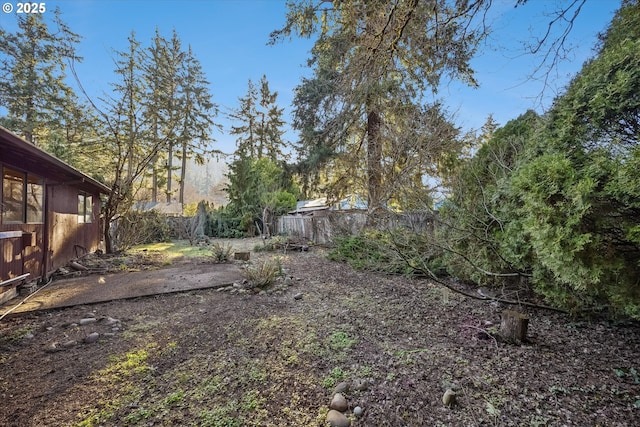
<point x="323" y="228"/>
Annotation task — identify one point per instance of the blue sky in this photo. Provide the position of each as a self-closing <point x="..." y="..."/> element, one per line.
<point x="229" y="37"/>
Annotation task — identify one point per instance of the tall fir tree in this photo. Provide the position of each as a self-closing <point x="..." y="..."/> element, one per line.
<point x="33" y="72"/>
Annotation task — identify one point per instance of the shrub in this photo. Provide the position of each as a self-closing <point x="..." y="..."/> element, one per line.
<point x="221" y="253"/>
<point x="137" y="228"/>
<point x="264" y="273"/>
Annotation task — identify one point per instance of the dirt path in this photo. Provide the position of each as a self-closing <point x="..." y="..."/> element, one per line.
<point x="211" y="358"/>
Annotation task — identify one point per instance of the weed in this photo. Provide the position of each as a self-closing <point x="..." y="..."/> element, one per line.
<point x="340" y="341"/>
<point x="263" y="274"/>
<point x="251" y="401"/>
<point x="132" y="363"/>
<point x="336" y="374"/>
<point x="138" y="415"/>
<point x="258" y="374"/>
<point x="221" y="253"/>
<point x="15" y="336"/>
<point x="220" y="417"/>
<point x="174" y="398"/>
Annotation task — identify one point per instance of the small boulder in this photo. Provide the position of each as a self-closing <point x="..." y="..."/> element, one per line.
<point x="110" y="321"/>
<point x="337" y="419"/>
<point x="357" y="411"/>
<point x="92" y="337"/>
<point x="339" y="403"/>
<point x="87" y="320"/>
<point x="449" y="397"/>
<point x="341" y="387"/>
<point x="360" y="384"/>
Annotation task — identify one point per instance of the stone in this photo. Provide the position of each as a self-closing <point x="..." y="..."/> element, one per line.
<point x="52" y="348"/>
<point x="342" y="387"/>
<point x="449" y="397"/>
<point x="110" y="321"/>
<point x="360" y="384"/>
<point x="28" y="336"/>
<point x="357" y="411"/>
<point x="339" y="403"/>
<point x="337" y="419"/>
<point x="87" y="320"/>
<point x="298" y="295"/>
<point x="69" y="343"/>
<point x="92" y="337"/>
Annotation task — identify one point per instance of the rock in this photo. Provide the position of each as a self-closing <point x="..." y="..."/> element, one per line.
<point x="90" y="314"/>
<point x="357" y="411"/>
<point x="337" y="419"/>
<point x="28" y="336"/>
<point x="341" y="387"/>
<point x="339" y="403"/>
<point x="87" y="320"/>
<point x="69" y="343"/>
<point x="52" y="348"/>
<point x="92" y="337"/>
<point x="298" y="295"/>
<point x="449" y="397"/>
<point x="359" y="384"/>
<point x="110" y="321"/>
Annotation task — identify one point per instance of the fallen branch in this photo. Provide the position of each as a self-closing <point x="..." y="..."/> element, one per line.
<point x="426" y="271"/>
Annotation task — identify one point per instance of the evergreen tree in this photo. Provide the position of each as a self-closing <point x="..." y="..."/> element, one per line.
<point x="374" y="61"/>
<point x="260" y="128"/>
<point x="32" y="78"/>
<point x="195" y="117"/>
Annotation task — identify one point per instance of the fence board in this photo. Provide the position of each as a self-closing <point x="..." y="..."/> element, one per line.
<point x="324" y="228"/>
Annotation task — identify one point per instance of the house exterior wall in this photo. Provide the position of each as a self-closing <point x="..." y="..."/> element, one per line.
<point x="21" y="254"/>
<point x="41" y="230"/>
<point x="68" y="237"/>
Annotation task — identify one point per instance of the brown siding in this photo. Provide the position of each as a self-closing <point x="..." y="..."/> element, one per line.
<point x="70" y="239"/>
<point x="18" y="259"/>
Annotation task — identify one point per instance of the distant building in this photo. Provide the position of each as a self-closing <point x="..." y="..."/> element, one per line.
<point x="49" y="212"/>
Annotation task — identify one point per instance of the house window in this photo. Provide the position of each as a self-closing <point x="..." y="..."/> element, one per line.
<point x="22" y="197"/>
<point x="12" y="196"/>
<point x="34" y="199"/>
<point x="85" y="209"/>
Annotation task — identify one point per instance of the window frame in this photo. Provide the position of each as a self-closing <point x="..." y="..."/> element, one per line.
<point x="28" y="180"/>
<point x="85" y="216"/>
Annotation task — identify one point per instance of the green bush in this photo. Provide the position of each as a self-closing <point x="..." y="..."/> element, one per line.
<point x="224" y="224"/>
<point x="383" y="251"/>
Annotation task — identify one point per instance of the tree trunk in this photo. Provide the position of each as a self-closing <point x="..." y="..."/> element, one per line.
<point x="374" y="156"/>
<point x="169" y="172"/>
<point x="183" y="171"/>
<point x="154" y="181"/>
<point x="513" y="327"/>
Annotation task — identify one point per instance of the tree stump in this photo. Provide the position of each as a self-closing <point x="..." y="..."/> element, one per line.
<point x="241" y="256"/>
<point x="513" y="326"/>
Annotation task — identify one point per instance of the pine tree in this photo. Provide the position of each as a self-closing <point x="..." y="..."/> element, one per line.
<point x="32" y="83"/>
<point x="247" y="117"/>
<point x="374" y="62"/>
<point x="195" y="116"/>
<point x="261" y="123"/>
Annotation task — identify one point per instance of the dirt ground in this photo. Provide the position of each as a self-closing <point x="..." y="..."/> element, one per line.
<point x="226" y="358"/>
